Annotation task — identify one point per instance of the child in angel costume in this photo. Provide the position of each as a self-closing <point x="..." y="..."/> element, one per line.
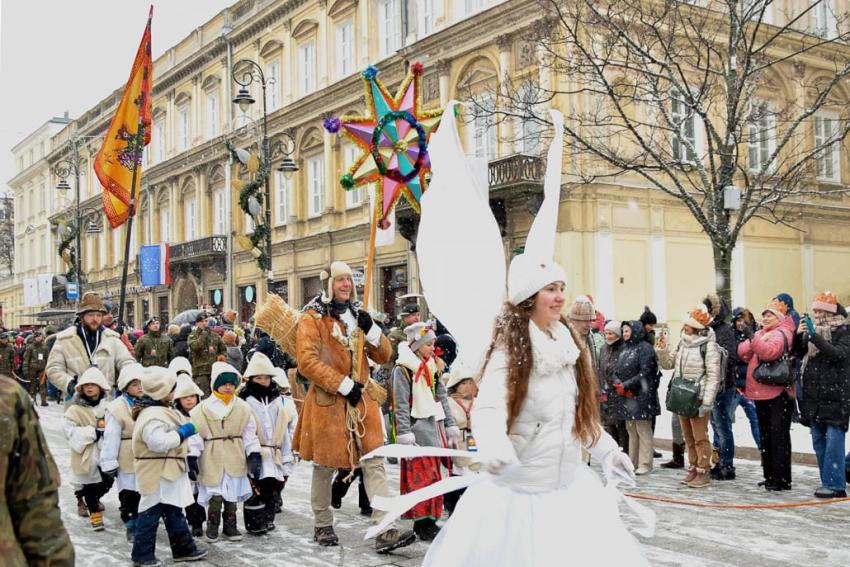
<point x="534" y="499"/>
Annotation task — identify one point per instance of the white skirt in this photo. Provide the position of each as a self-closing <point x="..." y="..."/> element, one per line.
<point x="230" y="489"/>
<point x="495" y="525"/>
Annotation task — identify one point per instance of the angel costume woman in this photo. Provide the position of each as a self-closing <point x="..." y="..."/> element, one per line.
<point x="535" y="502"/>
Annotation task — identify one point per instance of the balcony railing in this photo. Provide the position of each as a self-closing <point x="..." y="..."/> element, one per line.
<point x="201" y="249"/>
<point x="516" y="170"/>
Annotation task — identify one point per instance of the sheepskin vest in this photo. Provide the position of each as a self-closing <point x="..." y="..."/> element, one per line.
<point x="119" y="410"/>
<point x="84" y="416"/>
<point x="152" y="466"/>
<point x="224" y="450"/>
<point x="270" y="448"/>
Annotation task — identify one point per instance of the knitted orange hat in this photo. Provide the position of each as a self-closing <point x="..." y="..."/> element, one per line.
<point x="825" y="301"/>
<point x="776" y="307"/>
<point x="698" y="318"/>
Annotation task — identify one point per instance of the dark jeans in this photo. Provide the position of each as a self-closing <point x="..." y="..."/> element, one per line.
<point x="828" y="442"/>
<point x="750" y="411"/>
<point x="721" y="423"/>
<point x="620" y="434"/>
<point x="129" y="505"/>
<point x="775" y="428"/>
<point x="179" y="536"/>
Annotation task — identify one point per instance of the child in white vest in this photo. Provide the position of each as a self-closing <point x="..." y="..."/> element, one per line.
<point x="83" y="426"/>
<point x="116" y="458"/>
<point x="462" y="390"/>
<point x="187" y="395"/>
<point x="159" y="451"/>
<point x="275" y="426"/>
<point x="228" y="448"/>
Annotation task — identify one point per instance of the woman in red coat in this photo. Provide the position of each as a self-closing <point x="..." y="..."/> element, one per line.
<point x="774" y="404"/>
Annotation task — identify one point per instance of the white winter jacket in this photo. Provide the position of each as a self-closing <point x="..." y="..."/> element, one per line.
<point x="689" y="362"/>
<point x="541" y="440"/>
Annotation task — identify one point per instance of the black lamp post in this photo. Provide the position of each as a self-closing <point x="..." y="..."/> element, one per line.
<point x="250" y="72"/>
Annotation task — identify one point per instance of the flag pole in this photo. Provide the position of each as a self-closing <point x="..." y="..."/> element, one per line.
<point x="137" y="157"/>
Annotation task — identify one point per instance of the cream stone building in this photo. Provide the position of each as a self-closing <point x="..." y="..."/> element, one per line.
<point x="625" y="244"/>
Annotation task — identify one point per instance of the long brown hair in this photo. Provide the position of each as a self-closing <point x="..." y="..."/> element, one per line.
<point x="511" y="334"/>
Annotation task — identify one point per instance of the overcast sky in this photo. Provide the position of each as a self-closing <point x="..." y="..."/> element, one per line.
<point x="68" y="55"/>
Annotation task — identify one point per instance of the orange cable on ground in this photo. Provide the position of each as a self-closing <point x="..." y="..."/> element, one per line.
<point x="736" y="506"/>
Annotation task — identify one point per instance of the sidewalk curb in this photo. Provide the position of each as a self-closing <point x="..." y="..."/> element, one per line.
<point x="749" y="453"/>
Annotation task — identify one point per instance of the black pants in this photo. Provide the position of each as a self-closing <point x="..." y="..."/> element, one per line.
<point x="620" y="434"/>
<point x="195" y="513"/>
<point x="129" y="505"/>
<point x="450" y="499"/>
<point x="339" y="488"/>
<point x="775" y="428"/>
<point x="92" y="493"/>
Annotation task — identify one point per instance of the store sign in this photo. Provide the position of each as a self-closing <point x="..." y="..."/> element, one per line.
<point x="71" y="290"/>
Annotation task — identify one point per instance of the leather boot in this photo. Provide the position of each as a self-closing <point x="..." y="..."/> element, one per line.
<point x="393" y="539"/>
<point x="325" y="536"/>
<point x="82" y="510"/>
<point x="230" y="532"/>
<point x="678" y="460"/>
<point x="213" y="519"/>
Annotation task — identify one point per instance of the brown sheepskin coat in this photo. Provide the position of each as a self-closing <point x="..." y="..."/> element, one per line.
<point x="321" y="435"/>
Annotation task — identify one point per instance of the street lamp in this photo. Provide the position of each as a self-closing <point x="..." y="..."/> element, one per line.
<point x="63" y="169"/>
<point x="244" y="73"/>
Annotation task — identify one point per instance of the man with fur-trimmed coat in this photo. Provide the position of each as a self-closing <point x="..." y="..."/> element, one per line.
<point x="327" y="338"/>
<point x="85" y="344"/>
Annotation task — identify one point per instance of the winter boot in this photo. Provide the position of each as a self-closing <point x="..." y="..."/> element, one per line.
<point x="130" y="533"/>
<point x="43" y="403"/>
<point x="678" y="459"/>
<point x="230" y="532"/>
<point x="692" y="473"/>
<point x="254" y="516"/>
<point x="715" y="456"/>
<point x="426" y="529"/>
<point x="82" y="511"/>
<point x="96" y="519"/>
<point x="196" y="555"/>
<point x="393" y="539"/>
<point x="701" y="480"/>
<point x="325" y="536"/>
<point x="278" y="502"/>
<point x="213" y="519"/>
<point x="270" y="508"/>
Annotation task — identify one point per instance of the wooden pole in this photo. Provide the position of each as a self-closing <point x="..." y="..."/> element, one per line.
<point x="137" y="156"/>
<point x="367" y="286"/>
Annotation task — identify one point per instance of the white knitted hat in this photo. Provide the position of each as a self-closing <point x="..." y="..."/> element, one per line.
<point x="92" y="375"/>
<point x="419" y="334"/>
<point x="158" y="382"/>
<point x="458" y="374"/>
<point x="133" y="371"/>
<point x="186" y="387"/>
<point x="260" y="365"/>
<point x="180" y="364"/>
<point x="337" y="269"/>
<point x="527" y="276"/>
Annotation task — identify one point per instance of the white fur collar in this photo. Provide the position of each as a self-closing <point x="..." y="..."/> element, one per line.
<point x="552" y="354"/>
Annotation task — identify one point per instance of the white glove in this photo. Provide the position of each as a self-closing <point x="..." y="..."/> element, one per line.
<point x="618" y="466"/>
<point x="704" y="410"/>
<point x="453" y="436"/>
<point x="406" y="439"/>
<point x="501" y="465"/>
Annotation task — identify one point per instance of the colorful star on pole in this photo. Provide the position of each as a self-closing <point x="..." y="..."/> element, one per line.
<point x="394" y="139"/>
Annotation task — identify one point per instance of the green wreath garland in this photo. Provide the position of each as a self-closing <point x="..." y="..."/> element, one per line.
<point x="254" y="189"/>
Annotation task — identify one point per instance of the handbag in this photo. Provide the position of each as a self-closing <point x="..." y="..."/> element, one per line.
<point x="778" y="372"/>
<point x="683" y="397"/>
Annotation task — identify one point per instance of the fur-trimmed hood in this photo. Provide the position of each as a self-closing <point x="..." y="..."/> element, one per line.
<point x="717" y="307"/>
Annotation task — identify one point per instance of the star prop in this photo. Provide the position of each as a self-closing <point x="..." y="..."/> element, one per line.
<point x="394" y="140"/>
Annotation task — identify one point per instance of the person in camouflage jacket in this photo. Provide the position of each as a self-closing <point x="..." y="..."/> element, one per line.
<point x="35" y="361"/>
<point x="7" y="357"/>
<point x="153" y="348"/>
<point x="31" y="528"/>
<point x="205" y="347"/>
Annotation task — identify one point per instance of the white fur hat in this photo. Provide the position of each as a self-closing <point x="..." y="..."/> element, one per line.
<point x="280" y="378"/>
<point x="337" y="269"/>
<point x="158" y="382"/>
<point x="133" y="371"/>
<point x="180" y="364"/>
<point x="527" y="276"/>
<point x="260" y="365"/>
<point x="92" y="375"/>
<point x="186" y="387"/>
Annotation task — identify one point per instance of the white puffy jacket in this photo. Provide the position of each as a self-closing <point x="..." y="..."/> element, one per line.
<point x="541" y="439"/>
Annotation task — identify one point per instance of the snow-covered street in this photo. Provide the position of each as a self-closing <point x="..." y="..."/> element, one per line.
<point x="685" y="536"/>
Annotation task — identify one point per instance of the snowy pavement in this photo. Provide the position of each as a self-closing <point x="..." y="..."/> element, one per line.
<point x="816" y="536"/>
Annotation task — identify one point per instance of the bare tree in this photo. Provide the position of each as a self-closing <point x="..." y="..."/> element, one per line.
<point x="7" y="234"/>
<point x="734" y="107"/>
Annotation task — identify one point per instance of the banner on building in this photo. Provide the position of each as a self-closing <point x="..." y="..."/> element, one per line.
<point x="45" y="288"/>
<point x="153" y="260"/>
<point x="30" y="292"/>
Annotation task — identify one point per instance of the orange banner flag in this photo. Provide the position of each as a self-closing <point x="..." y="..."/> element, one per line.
<point x="128" y="133"/>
